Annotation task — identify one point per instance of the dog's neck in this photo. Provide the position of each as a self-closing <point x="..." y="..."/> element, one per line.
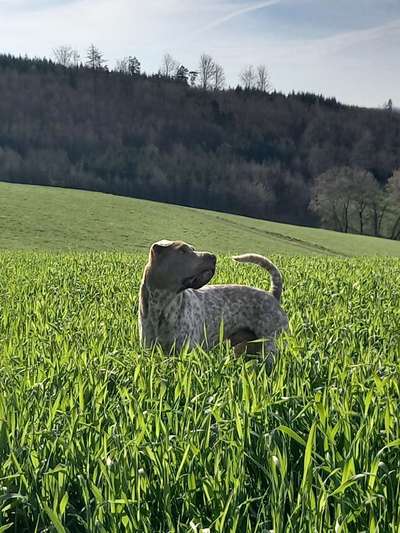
<point x="154" y="301"/>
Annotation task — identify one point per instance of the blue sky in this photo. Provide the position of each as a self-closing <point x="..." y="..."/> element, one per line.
<point x="344" y="48"/>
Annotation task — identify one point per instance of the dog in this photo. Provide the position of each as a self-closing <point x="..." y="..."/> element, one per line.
<point x="177" y="308"/>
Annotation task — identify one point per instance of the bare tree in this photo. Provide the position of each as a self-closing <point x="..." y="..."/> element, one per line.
<point x="129" y="66"/>
<point x="169" y="66"/>
<point x="122" y="65"/>
<point x="379" y="207"/>
<point x="193" y="77"/>
<point x="363" y="189"/>
<point x="218" y="81"/>
<point x="348" y="198"/>
<point x="330" y="198"/>
<point x="206" y="71"/>
<point x="66" y="56"/>
<point x="248" y="77"/>
<point x="393" y="192"/>
<point x="75" y="58"/>
<point x="94" y="58"/>
<point x="263" y="81"/>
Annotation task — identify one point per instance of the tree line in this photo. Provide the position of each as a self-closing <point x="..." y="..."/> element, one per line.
<point x="352" y="200"/>
<point x="209" y="74"/>
<point x="179" y="136"/>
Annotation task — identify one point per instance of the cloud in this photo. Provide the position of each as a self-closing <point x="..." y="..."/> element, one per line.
<point x="350" y="40"/>
<point x="237" y="13"/>
<point x="32" y="5"/>
<point x="312" y="48"/>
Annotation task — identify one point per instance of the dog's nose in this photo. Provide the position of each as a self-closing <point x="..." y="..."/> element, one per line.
<point x="209" y="258"/>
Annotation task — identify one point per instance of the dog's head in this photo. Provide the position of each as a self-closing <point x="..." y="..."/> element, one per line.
<point x="176" y="266"/>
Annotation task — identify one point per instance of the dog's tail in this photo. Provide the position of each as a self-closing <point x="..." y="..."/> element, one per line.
<point x="276" y="277"/>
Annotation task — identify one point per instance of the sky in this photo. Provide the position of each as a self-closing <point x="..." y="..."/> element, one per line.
<point x="349" y="49"/>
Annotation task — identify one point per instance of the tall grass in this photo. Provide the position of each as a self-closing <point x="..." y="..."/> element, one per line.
<point x="98" y="435"/>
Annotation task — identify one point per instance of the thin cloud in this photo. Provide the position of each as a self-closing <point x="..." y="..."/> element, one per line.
<point x="237" y="13"/>
<point x="309" y="50"/>
<point x="33" y="5"/>
<point x="340" y="41"/>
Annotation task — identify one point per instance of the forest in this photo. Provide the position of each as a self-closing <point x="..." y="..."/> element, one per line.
<point x="250" y="150"/>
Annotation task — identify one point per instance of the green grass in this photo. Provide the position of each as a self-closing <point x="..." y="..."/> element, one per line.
<point x="43" y="218"/>
<point x="98" y="435"/>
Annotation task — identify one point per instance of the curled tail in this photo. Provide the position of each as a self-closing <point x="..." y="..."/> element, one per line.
<point x="276" y="277"/>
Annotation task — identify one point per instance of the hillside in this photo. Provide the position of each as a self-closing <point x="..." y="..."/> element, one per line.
<point x="46" y="218"/>
<point x="245" y="152"/>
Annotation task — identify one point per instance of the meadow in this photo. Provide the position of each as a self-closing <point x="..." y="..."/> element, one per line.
<point x="50" y="218"/>
<point x="97" y="434"/>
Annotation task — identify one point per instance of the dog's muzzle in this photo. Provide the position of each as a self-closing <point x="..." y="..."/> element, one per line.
<point x="203" y="277"/>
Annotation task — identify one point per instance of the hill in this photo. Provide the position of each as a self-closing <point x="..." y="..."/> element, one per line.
<point x="245" y="152"/>
<point x="48" y="218"/>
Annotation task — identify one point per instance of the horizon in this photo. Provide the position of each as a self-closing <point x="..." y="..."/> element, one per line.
<point x="307" y="45"/>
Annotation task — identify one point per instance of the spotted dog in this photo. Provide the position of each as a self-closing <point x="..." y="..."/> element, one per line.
<point x="178" y="308"/>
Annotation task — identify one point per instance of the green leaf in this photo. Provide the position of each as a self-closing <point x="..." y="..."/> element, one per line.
<point x="54" y="518"/>
<point x="292" y="434"/>
<point x="308" y="454"/>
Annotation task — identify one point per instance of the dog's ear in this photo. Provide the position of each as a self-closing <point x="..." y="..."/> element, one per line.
<point x="158" y="247"/>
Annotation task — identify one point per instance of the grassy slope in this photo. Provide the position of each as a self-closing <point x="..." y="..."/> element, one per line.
<point x="34" y="217"/>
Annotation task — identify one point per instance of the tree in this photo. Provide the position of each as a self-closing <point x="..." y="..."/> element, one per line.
<point x="134" y="66"/>
<point x="379" y="207"/>
<point x="218" y="80"/>
<point x="10" y="164"/>
<point x="393" y="192"/>
<point x="364" y="152"/>
<point x="122" y="65"/>
<point x="206" y="71"/>
<point x="75" y="58"/>
<point x="129" y="66"/>
<point x="193" y="77"/>
<point x="169" y="66"/>
<point x="263" y="82"/>
<point x="182" y="74"/>
<point x="66" y="56"/>
<point x="94" y="58"/>
<point x="388" y="106"/>
<point x="346" y="197"/>
<point x="248" y="77"/>
<point x="363" y="190"/>
<point x="330" y="198"/>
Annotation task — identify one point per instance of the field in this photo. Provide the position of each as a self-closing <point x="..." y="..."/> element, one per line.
<point x="46" y="218"/>
<point x="98" y="435"/>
